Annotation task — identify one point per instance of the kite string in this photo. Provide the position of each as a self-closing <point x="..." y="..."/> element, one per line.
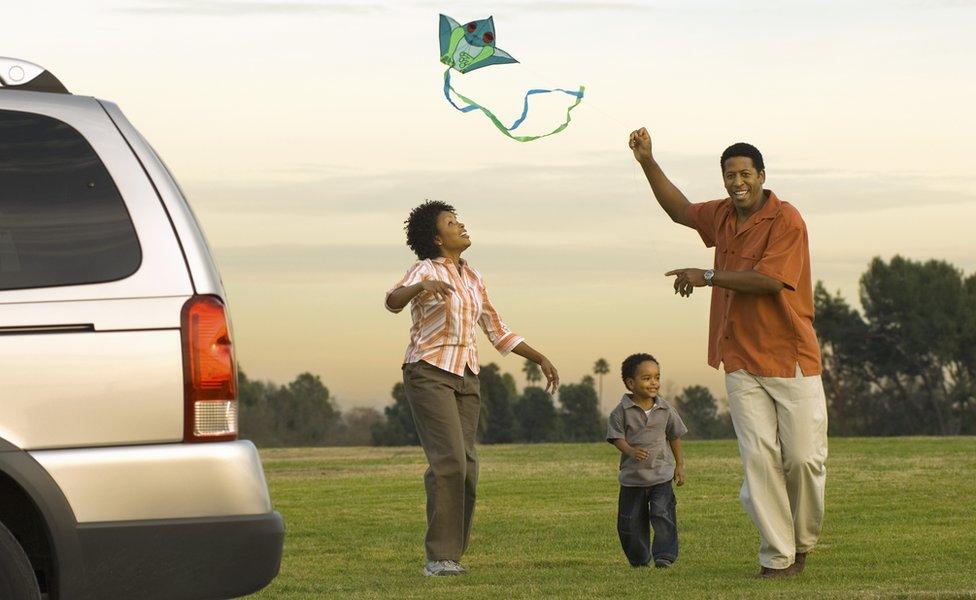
<point x="596" y="107"/>
<point x="472" y="105"/>
<point x="589" y="101"/>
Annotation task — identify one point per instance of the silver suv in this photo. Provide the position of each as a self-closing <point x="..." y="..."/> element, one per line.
<point x="121" y="475"/>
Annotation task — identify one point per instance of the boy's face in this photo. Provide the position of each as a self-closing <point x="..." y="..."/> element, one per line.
<point x="646" y="381"/>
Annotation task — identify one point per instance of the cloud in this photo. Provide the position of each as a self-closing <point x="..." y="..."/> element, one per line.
<point x="233" y="8"/>
<point x="311" y="190"/>
<point x="302" y="259"/>
<point x="557" y="6"/>
<point x="581" y="6"/>
<point x="577" y="191"/>
<point x="938" y="4"/>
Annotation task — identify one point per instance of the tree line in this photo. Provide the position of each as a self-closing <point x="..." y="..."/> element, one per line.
<point x="303" y="413"/>
<point x="904" y="365"/>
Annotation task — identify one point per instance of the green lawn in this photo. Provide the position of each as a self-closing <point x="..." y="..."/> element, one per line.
<point x="901" y="522"/>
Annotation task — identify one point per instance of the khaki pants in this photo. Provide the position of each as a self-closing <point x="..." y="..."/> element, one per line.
<point x="445" y="410"/>
<point x="781" y="425"/>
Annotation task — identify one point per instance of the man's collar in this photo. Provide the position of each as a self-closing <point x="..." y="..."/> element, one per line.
<point x="769" y="210"/>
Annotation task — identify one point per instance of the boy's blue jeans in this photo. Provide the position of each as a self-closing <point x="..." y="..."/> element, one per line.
<point x="640" y="509"/>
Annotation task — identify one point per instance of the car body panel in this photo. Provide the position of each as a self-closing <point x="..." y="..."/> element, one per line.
<point x="167" y="481"/>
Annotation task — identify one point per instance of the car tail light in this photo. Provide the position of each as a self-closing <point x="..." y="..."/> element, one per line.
<point x="209" y="372"/>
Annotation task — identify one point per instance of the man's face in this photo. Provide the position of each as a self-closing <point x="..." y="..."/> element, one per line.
<point x="743" y="182"/>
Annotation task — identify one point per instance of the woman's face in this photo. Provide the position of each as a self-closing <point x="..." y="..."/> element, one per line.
<point x="452" y="238"/>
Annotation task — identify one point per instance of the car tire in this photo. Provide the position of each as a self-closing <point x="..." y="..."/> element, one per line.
<point x="17" y="578"/>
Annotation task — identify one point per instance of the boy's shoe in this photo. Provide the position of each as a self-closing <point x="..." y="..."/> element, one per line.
<point x="662" y="563"/>
<point x="442" y="568"/>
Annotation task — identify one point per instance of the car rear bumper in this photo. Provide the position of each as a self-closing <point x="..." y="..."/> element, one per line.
<point x="214" y="557"/>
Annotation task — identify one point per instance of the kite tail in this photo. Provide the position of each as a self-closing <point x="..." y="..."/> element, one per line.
<point x="472" y="105"/>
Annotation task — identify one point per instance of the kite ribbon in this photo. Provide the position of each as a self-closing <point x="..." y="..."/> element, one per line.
<point x="472" y="105"/>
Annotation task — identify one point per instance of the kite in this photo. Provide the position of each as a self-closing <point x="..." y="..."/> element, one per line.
<point x="465" y="48"/>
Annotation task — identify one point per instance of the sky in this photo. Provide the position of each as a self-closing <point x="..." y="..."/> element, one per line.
<point x="303" y="132"/>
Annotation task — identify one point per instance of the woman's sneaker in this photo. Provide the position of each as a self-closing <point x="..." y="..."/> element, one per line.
<point x="442" y="568"/>
<point x="461" y="570"/>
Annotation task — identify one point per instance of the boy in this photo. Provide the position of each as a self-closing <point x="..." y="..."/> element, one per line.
<point x="647" y="432"/>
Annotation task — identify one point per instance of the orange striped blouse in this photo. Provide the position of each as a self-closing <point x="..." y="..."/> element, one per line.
<point x="443" y="331"/>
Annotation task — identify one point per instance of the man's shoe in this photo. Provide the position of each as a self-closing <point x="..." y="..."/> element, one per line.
<point x="770" y="573"/>
<point x="799" y="562"/>
<point x="442" y="568"/>
<point x="662" y="563"/>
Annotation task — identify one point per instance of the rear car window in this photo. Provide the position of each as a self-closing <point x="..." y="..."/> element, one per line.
<point x="62" y="220"/>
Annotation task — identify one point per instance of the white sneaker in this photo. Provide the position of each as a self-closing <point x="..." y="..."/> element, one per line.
<point x="442" y="568"/>
<point x="457" y="565"/>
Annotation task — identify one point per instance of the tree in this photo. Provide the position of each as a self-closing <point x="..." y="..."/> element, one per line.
<point x="699" y="411"/>
<point x="357" y="426"/>
<point x="397" y="429"/>
<point x="600" y="368"/>
<point x="907" y="366"/>
<point x="533" y="374"/>
<point x="536" y="416"/>
<point x="920" y="319"/>
<point x="496" y="407"/>
<point x="305" y="411"/>
<point x="299" y="414"/>
<point x="256" y="419"/>
<point x="852" y="409"/>
<point x="580" y="417"/>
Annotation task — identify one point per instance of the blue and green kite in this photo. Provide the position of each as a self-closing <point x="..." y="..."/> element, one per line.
<point x="472" y="46"/>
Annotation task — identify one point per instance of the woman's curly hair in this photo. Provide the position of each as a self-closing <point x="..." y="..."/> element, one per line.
<point x="421" y="227"/>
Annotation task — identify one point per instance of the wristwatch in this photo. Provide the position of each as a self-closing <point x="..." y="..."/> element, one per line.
<point x="708" y="277"/>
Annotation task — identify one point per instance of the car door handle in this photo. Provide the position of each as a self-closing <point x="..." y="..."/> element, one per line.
<point x="39" y="329"/>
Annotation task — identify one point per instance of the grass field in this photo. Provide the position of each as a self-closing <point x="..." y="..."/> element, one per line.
<point x="901" y="523"/>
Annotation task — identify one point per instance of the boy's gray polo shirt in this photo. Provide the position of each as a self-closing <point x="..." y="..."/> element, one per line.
<point x="630" y="422"/>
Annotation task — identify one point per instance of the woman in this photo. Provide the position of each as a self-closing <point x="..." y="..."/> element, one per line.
<point x="440" y="372"/>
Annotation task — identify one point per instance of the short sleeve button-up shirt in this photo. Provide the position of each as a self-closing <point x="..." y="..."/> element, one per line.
<point x="630" y="422"/>
<point x="765" y="334"/>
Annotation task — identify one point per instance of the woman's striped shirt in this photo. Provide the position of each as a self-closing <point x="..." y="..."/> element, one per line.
<point x="442" y="333"/>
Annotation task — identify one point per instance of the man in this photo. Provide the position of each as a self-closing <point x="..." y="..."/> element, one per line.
<point x="761" y="330"/>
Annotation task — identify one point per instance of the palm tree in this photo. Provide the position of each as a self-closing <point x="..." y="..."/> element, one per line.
<point x="533" y="374"/>
<point x="601" y="367"/>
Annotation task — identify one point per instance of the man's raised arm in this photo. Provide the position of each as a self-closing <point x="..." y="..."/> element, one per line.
<point x="668" y="196"/>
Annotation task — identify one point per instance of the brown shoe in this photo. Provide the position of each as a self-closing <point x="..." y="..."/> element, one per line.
<point x="799" y="562"/>
<point x="769" y="573"/>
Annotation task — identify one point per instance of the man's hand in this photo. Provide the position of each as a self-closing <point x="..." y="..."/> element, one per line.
<point x="439" y="289"/>
<point x="687" y="280"/>
<point x="640" y="143"/>
<point x="679" y="475"/>
<point x="638" y="454"/>
<point x="552" y="375"/>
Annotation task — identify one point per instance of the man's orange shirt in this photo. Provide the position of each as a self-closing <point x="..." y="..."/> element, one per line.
<point x="765" y="334"/>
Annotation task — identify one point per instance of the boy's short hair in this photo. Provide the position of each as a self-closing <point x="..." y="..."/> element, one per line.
<point x="629" y="367"/>
<point x="746" y="150"/>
